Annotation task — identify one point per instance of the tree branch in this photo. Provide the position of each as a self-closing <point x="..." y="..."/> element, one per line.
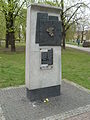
<point x="71" y="24"/>
<point x="16" y="6"/>
<point x="73" y="14"/>
<point x="19" y="9"/>
<point x="72" y="7"/>
<point x="1" y="10"/>
<point x="22" y="17"/>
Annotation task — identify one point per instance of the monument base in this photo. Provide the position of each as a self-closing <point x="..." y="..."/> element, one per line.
<point x="42" y="93"/>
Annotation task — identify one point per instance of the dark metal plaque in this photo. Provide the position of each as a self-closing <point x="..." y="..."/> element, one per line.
<point x="53" y="18"/>
<point x="50" y="57"/>
<point x="48" y="30"/>
<point x="44" y="57"/>
<point x="39" y="16"/>
<point x="47" y="57"/>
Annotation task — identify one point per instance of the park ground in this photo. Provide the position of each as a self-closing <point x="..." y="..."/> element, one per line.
<point x="75" y="67"/>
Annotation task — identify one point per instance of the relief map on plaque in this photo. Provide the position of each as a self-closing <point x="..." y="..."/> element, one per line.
<point x="48" y="30"/>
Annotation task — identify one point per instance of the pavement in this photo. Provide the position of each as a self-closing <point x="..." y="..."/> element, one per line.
<point x="79" y="48"/>
<point x="85" y="116"/>
<point x="74" y="102"/>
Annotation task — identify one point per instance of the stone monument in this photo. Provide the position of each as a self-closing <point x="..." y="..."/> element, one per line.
<point x="43" y="51"/>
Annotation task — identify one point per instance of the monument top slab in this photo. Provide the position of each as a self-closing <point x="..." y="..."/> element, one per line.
<point x="44" y="6"/>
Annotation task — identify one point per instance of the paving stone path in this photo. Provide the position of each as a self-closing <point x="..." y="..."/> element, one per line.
<point x="72" y="102"/>
<point x="85" y="116"/>
<point x="70" y="114"/>
<point x="86" y="49"/>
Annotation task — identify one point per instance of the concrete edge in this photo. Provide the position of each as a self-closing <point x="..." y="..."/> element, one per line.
<point x="65" y="80"/>
<point x="77" y="85"/>
<point x="68" y="114"/>
<point x="13" y="87"/>
<point x="2" y="117"/>
<point x="45" y="6"/>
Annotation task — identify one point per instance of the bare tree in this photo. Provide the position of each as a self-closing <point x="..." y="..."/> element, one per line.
<point x="69" y="14"/>
<point x="75" y="16"/>
<point x="83" y="26"/>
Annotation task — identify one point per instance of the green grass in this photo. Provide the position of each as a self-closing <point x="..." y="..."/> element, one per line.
<point x="75" y="67"/>
<point x="12" y="67"/>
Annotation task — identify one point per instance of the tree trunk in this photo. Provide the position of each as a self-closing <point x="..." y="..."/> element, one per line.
<point x="7" y="34"/>
<point x="12" y="39"/>
<point x="12" y="32"/>
<point x="7" y="40"/>
<point x="19" y="34"/>
<point x="63" y="26"/>
<point x="82" y="36"/>
<point x="64" y="36"/>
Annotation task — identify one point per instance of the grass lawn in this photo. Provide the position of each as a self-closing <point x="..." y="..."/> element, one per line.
<point x="75" y="67"/>
<point x="12" y="68"/>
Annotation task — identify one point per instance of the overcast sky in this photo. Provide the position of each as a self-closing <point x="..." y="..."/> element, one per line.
<point x="77" y="1"/>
